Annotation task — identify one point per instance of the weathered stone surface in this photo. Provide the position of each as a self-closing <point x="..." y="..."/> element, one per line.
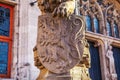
<point x="62" y="8"/>
<point x="60" y="42"/>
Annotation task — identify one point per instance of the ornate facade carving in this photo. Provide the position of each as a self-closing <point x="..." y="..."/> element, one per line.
<point x="56" y="38"/>
<point x="59" y="36"/>
<point x="22" y="27"/>
<point x="111" y="72"/>
<point x="104" y="11"/>
<point x="103" y="42"/>
<point x="82" y="68"/>
<point x="61" y="39"/>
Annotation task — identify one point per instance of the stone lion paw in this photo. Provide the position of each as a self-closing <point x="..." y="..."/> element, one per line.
<point x="64" y="9"/>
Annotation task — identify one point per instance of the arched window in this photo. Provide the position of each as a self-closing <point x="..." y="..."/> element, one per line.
<point x="116" y="31"/>
<point x="109" y="31"/>
<point x="88" y="23"/>
<point x="6" y="25"/>
<point x="96" y="25"/>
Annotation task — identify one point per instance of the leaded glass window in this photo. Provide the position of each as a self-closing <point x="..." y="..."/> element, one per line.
<point x="96" y="25"/>
<point x="3" y="57"/>
<point x="4" y="21"/>
<point x="109" y="31"/>
<point x="116" y="31"/>
<point x="88" y="23"/>
<point x="6" y="24"/>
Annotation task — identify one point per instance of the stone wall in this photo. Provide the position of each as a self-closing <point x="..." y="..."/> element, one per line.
<point x="26" y="39"/>
<point x="25" y="32"/>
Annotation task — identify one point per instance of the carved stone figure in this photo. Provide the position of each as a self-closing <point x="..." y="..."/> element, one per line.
<point x="57" y="7"/>
<point x="110" y="64"/>
<point x="60" y="39"/>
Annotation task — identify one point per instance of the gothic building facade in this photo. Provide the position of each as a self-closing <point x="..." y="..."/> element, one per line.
<point x="18" y="31"/>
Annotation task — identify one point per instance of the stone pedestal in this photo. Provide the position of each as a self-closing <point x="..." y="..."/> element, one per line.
<point x="63" y="76"/>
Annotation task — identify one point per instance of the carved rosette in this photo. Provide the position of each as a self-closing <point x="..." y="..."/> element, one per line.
<point x="60" y="42"/>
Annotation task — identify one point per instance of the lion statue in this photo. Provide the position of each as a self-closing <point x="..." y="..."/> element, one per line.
<point x="62" y="8"/>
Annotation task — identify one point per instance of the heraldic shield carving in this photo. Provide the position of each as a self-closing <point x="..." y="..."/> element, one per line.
<point x="60" y="42"/>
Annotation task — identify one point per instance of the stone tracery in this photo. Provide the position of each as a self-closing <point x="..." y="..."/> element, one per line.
<point x="104" y="11"/>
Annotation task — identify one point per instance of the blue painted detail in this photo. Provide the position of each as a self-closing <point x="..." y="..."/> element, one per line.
<point x="88" y="23"/>
<point x="109" y="29"/>
<point x="116" y="30"/>
<point x="95" y="70"/>
<point x="4" y="21"/>
<point x="3" y="57"/>
<point x="116" y="54"/>
<point x="96" y="25"/>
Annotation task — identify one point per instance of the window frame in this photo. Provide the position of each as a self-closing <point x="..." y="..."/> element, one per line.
<point x="11" y="21"/>
<point x="8" y="39"/>
<point x="98" y="40"/>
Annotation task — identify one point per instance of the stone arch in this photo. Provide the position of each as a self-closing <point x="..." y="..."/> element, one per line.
<point x="93" y="9"/>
